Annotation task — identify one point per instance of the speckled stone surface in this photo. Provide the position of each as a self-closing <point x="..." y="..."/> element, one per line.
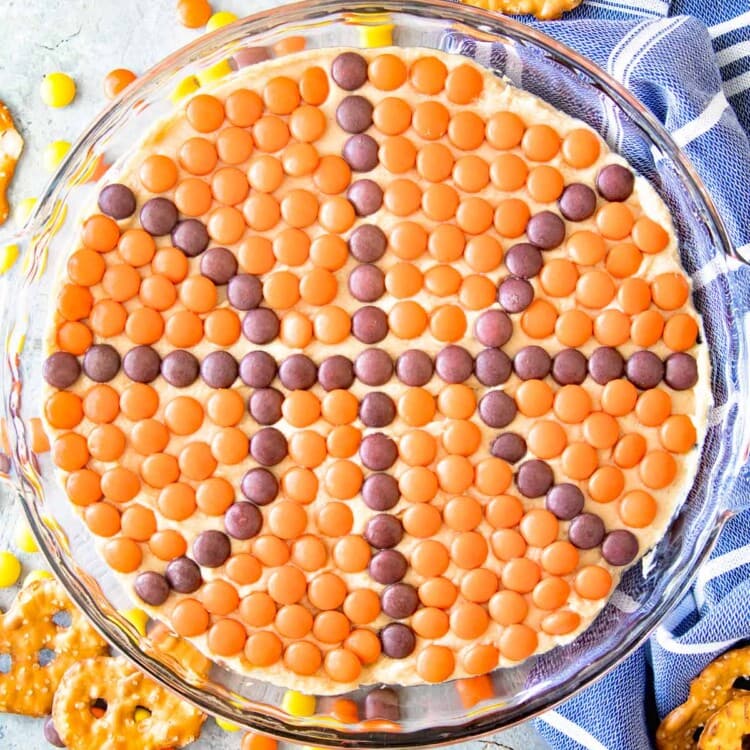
<point x="87" y="39"/>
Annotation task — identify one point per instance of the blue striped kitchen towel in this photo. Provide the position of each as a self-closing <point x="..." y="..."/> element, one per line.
<point x="689" y="62"/>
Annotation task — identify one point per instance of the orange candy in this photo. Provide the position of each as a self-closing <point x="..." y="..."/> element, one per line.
<point x="435" y="663"/>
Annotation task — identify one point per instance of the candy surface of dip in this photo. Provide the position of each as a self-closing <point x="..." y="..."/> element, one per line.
<point x="372" y="368"/>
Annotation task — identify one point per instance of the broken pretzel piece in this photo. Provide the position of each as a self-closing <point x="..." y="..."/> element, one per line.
<point x="545" y="10"/>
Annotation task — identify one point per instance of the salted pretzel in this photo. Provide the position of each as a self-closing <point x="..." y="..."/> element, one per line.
<point x="42" y="634"/>
<point x="710" y="691"/>
<point x="133" y="711"/>
<point x="542" y="9"/>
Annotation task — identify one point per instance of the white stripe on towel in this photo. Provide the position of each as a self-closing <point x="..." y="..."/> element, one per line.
<point x="725" y="27"/>
<point x="572" y="730"/>
<point x="666" y="641"/>
<point x="703" y="122"/>
<point x="735" y="52"/>
<point x="718" y="566"/>
<point x="738" y="84"/>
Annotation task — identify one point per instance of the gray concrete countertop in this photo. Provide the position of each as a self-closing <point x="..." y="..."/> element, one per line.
<point x="86" y="40"/>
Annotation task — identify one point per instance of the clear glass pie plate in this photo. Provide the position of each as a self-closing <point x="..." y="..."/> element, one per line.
<point x="430" y="714"/>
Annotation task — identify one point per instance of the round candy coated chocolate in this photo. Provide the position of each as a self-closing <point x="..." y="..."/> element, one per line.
<point x="620" y="547"/>
<point x="354" y="113"/>
<point x="382" y="703"/>
<point x="388" y="566"/>
<point x="260" y="326"/>
<point x="492" y="367"/>
<point x="509" y="446"/>
<point x="259" y="486"/>
<point x="397" y="641"/>
<point x="298" y="372"/>
<point x="532" y="363"/>
<point x="219" y="265"/>
<point x="61" y="369"/>
<point x="569" y="367"/>
<point x="545" y="230"/>
<point x="534" y="478"/>
<point x="101" y="362"/>
<point x="117" y="201"/>
<point x="377" y="409"/>
<point x="248" y="56"/>
<point x="383" y="531"/>
<point x="373" y="367"/>
<point x="369" y="324"/>
<point x="378" y="452"/>
<point x="349" y="70"/>
<point x="183" y="575"/>
<point x="151" y="587"/>
<point x="211" y="548"/>
<point x="644" y="369"/>
<point x="361" y="152"/>
<point x="399" y="600"/>
<point x="142" y="364"/>
<point x="180" y="368"/>
<point x="242" y="520"/>
<point x="680" y="371"/>
<point x="515" y="295"/>
<point x="578" y="202"/>
<point x="380" y="491"/>
<point x="219" y="370"/>
<point x="264" y="405"/>
<point x="454" y="364"/>
<point x="565" y="501"/>
<point x="615" y="182"/>
<point x="586" y="531"/>
<point x="366" y="196"/>
<point x="257" y="369"/>
<point x="605" y="364"/>
<point x="524" y="260"/>
<point x="493" y="328"/>
<point x="190" y="236"/>
<point x="367" y="243"/>
<point x="158" y="216"/>
<point x="414" y="367"/>
<point x="244" y="291"/>
<point x="268" y="446"/>
<point x="336" y="372"/>
<point x="51" y="735"/>
<point x="366" y="283"/>
<point x="497" y="409"/>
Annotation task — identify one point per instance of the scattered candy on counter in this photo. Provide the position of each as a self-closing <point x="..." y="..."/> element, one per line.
<point x="11" y="145"/>
<point x="219" y="19"/>
<point x="53" y="155"/>
<point x="255" y="741"/>
<point x="25" y="539"/>
<point x="10" y="569"/>
<point x="137" y="618"/>
<point x="23" y="210"/>
<point x="193" y="13"/>
<point x="57" y="89"/>
<point x="298" y="704"/>
<point x="227" y="726"/>
<point x="8" y="257"/>
<point x="117" y="80"/>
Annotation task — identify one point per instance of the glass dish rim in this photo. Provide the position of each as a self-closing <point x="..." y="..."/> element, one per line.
<point x="263" y="22"/>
